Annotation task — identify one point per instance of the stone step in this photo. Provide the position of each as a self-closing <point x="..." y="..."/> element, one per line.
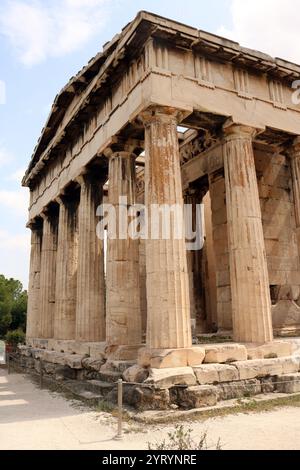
<point x="79" y="390"/>
<point x="288" y="383"/>
<point x="90" y="397"/>
<point x="110" y="376"/>
<point x="98" y="386"/>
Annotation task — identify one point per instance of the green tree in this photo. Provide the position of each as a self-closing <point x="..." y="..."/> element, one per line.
<point x="13" y="305"/>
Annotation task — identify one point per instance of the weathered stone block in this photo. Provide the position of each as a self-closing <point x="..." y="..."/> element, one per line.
<point x="53" y="357"/>
<point x="167" y="378"/>
<point x="118" y="366"/>
<point x="240" y="389"/>
<point x="291" y="364"/>
<point x="215" y="373"/>
<point x="221" y="353"/>
<point x="163" y="358"/>
<point x="288" y="383"/>
<point x="197" y="397"/>
<point x="40" y="343"/>
<point x="37" y="353"/>
<point x="109" y="374"/>
<point x="49" y="368"/>
<point x="136" y="374"/>
<point x="267" y="367"/>
<point x="268" y="384"/>
<point x="61" y="346"/>
<point x="269" y="351"/>
<point x="65" y="373"/>
<point x="92" y="364"/>
<point x="259" y="368"/>
<point x="97" y="350"/>
<point x="144" y="398"/>
<point x="74" y="361"/>
<point x="123" y="353"/>
<point x="195" y="356"/>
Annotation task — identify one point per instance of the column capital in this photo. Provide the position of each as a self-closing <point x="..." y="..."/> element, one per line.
<point x="87" y="177"/>
<point x="123" y="154"/>
<point x="233" y="130"/>
<point x="50" y="211"/>
<point x="61" y="198"/>
<point x="162" y="114"/>
<point x="120" y="144"/>
<point x="46" y="214"/>
<point x="294" y="150"/>
<point x="35" y="224"/>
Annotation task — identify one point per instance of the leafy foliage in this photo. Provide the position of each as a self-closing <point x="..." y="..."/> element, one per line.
<point x="15" y="337"/>
<point x="13" y="305"/>
<point x="181" y="439"/>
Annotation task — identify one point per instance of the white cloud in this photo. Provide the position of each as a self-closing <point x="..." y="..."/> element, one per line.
<point x="271" y="26"/>
<point x="10" y="241"/>
<point x="17" y="176"/>
<point x="5" y="156"/>
<point x="17" y="201"/>
<point x="2" y="92"/>
<point x="38" y="30"/>
<point x="14" y="260"/>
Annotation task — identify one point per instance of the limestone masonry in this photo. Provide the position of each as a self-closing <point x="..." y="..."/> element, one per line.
<point x="166" y="115"/>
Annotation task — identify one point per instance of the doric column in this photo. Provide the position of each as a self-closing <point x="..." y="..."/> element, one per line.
<point x="33" y="320"/>
<point x="196" y="265"/>
<point x="66" y="270"/>
<point x="295" y="167"/>
<point x="169" y="323"/>
<point x="251" y="303"/>
<point x="90" y="312"/>
<point x="123" y="320"/>
<point x="143" y="286"/>
<point x="48" y="274"/>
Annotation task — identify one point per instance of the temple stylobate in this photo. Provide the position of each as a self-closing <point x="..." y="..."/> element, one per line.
<point x="168" y="115"/>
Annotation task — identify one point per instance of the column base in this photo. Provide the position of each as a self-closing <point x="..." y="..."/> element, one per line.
<point x="169" y="358"/>
<point x="123" y="353"/>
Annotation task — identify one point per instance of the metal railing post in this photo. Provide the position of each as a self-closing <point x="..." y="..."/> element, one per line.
<point x="119" y="436"/>
<point x="41" y="374"/>
<point x="8" y="363"/>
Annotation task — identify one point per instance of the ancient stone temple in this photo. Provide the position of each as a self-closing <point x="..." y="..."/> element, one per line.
<point x="167" y="114"/>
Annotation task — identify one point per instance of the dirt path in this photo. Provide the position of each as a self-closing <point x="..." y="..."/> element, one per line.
<point x="35" y="419"/>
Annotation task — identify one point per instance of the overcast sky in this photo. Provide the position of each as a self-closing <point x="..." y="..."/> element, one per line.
<point x="45" y="42"/>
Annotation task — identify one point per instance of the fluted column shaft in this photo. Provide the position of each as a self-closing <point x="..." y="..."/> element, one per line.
<point x="66" y="274"/>
<point x="48" y="275"/>
<point x="251" y="303"/>
<point x="196" y="264"/>
<point x="90" y="313"/>
<point x="168" y="300"/>
<point x="123" y="321"/>
<point x="33" y="319"/>
<point x="295" y="167"/>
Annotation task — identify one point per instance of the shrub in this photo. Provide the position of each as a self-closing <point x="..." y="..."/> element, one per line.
<point x="15" y="337"/>
<point x="181" y="439"/>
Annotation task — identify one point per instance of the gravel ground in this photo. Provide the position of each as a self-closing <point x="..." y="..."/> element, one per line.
<point x="31" y="419"/>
